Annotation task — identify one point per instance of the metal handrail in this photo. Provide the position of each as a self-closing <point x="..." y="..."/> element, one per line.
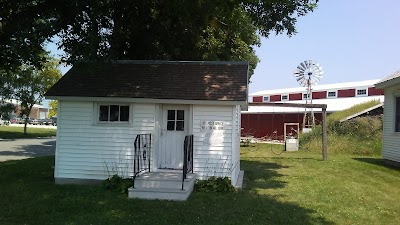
<point x="141" y="158"/>
<point x="187" y="157"/>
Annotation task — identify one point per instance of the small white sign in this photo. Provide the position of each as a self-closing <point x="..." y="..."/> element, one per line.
<point x="209" y="126"/>
<point x="213" y="132"/>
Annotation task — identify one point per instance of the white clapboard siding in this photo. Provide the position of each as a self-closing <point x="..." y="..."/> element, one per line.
<point x="391" y="140"/>
<point x="88" y="150"/>
<point x="212" y="158"/>
<point x="236" y="144"/>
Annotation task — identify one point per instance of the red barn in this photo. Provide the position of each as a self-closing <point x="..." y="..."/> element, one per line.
<point x="261" y="121"/>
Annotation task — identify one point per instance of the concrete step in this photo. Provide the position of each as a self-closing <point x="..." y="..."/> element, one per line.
<point x="162" y="185"/>
<point x="172" y="194"/>
<point x="164" y="180"/>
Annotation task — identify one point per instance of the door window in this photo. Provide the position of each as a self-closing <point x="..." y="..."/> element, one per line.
<point x="176" y="120"/>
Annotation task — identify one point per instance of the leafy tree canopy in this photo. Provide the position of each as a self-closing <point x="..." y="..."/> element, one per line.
<point x="143" y="29"/>
<point x="30" y="84"/>
<point x="53" y="108"/>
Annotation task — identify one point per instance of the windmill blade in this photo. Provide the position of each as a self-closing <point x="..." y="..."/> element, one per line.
<point x="303" y="65"/>
<point x="301" y="68"/>
<point x="313" y="76"/>
<point x="315" y="79"/>
<point x="300" y="79"/>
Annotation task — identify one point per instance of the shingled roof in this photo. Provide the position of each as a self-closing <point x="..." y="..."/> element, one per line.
<point x="389" y="80"/>
<point x="223" y="81"/>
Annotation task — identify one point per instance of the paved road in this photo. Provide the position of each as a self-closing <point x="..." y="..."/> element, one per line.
<point x="26" y="148"/>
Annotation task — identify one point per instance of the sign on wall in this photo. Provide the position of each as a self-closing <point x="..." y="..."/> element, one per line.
<point x="213" y="132"/>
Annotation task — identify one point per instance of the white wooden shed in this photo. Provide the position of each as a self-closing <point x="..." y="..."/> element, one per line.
<point x="391" y="118"/>
<point x="155" y="120"/>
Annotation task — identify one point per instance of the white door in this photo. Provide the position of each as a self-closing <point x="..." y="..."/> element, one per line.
<point x="173" y="131"/>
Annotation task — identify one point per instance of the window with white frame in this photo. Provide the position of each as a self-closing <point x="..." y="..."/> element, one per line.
<point x="306" y="96"/>
<point x="362" y="92"/>
<point x="397" y="116"/>
<point x="265" y="98"/>
<point x="284" y="97"/>
<point x="113" y="113"/>
<point x="331" y="94"/>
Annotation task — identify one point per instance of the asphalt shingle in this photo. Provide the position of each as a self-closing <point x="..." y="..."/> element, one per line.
<point x="196" y="80"/>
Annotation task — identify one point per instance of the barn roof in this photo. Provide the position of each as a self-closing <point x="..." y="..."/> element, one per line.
<point x="334" y="104"/>
<point x="186" y="80"/>
<point x="389" y="80"/>
<point x="318" y="87"/>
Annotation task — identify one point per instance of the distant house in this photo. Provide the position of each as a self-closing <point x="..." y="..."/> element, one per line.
<point x="164" y="121"/>
<point x="37" y="112"/>
<point x="263" y="121"/>
<point x="391" y="121"/>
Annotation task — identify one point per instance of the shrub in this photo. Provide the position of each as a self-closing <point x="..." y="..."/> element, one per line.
<point x="361" y="135"/>
<point x="117" y="183"/>
<point x="214" y="184"/>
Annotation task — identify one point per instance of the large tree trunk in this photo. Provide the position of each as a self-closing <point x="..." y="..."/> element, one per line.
<point x="25" y="123"/>
<point x="26" y="119"/>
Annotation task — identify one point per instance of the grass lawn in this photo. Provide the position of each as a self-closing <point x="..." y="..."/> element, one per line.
<point x="9" y="132"/>
<point x="290" y="188"/>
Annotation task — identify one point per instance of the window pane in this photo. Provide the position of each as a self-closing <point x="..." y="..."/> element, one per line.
<point x="124" y="113"/>
<point x="103" y="114"/>
<point x="171" y="114"/>
<point x="180" y="114"/>
<point x="114" y="112"/>
<point x="179" y="125"/>
<point x="171" y="125"/>
<point x="362" y="92"/>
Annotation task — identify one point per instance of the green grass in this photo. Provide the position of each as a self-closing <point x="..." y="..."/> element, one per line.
<point x="337" y="116"/>
<point x="9" y="132"/>
<point x="290" y="188"/>
<point x="359" y="136"/>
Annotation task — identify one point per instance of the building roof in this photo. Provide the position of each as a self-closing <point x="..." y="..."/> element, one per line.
<point x="366" y="111"/>
<point x="389" y="80"/>
<point x="194" y="80"/>
<point x="348" y="85"/>
<point x="333" y="105"/>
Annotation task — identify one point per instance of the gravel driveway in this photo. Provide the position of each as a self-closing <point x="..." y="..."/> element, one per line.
<point x="26" y="148"/>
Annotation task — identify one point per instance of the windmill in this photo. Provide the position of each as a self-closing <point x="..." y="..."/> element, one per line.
<point x="307" y="74"/>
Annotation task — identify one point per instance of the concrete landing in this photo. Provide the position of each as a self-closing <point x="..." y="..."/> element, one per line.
<point x="162" y="185"/>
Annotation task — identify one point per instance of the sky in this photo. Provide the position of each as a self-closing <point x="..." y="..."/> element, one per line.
<point x="353" y="40"/>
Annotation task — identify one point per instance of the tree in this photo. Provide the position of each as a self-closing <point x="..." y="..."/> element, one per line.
<point x="6" y="90"/>
<point x="144" y="29"/>
<point x="53" y="108"/>
<point x="31" y="83"/>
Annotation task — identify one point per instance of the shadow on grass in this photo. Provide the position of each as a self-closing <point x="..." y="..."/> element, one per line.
<point x="261" y="175"/>
<point x="36" y="199"/>
<point x="31" y="150"/>
<point x="377" y="162"/>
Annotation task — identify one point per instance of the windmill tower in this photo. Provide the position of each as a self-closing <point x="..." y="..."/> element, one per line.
<point x="308" y="74"/>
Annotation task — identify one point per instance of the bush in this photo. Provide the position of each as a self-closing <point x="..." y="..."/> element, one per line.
<point x="117" y="183"/>
<point x="214" y="184"/>
<point x="360" y="136"/>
